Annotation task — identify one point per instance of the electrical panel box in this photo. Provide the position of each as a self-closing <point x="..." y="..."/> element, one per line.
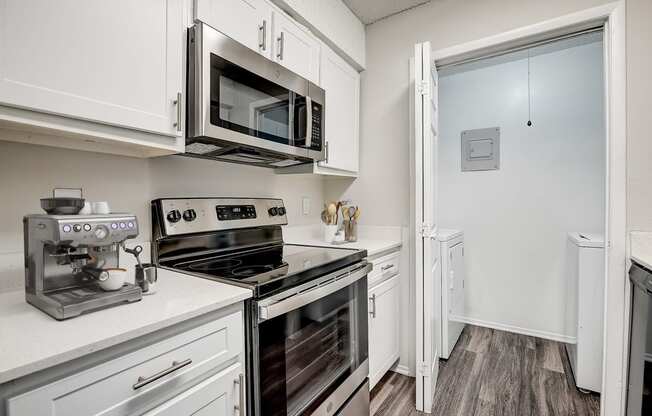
<point x="481" y="149"/>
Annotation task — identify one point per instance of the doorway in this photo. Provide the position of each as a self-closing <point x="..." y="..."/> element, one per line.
<point x="614" y="214"/>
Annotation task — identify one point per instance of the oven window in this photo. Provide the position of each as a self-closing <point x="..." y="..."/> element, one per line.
<point x="305" y="354"/>
<point x="247" y="103"/>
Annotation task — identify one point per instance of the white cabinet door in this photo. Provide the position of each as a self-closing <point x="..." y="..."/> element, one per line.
<point x="115" y="62"/>
<point x="218" y="395"/>
<point x="296" y="48"/>
<point x="384" y="311"/>
<point x="342" y="85"/>
<point x="456" y="282"/>
<point x="246" y="21"/>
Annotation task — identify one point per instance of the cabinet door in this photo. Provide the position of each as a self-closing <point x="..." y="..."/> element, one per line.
<point x="384" y="310"/>
<point x="218" y="395"/>
<point x="342" y="85"/>
<point x="246" y="21"/>
<point x="296" y="48"/>
<point x="116" y="62"/>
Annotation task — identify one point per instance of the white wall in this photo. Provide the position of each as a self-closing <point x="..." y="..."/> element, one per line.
<point x="551" y="180"/>
<point x="29" y="172"/>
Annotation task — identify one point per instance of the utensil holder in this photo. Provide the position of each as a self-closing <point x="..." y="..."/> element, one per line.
<point x="351" y="230"/>
<point x="329" y="232"/>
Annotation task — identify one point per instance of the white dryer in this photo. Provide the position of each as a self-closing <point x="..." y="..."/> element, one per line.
<point x="452" y="288"/>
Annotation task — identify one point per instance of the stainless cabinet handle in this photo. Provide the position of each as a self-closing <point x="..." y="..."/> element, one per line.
<point x="326" y="146"/>
<point x="177" y="102"/>
<point x="373" y="305"/>
<point x="262" y="36"/>
<point x="176" y="365"/>
<point x="281" y="41"/>
<point x="386" y="267"/>
<point x="240" y="407"/>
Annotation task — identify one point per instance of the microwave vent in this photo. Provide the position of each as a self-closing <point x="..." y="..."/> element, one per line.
<point x="201" y="148"/>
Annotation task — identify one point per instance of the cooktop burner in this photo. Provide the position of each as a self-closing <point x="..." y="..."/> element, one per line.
<point x="215" y="265"/>
<point x="270" y="268"/>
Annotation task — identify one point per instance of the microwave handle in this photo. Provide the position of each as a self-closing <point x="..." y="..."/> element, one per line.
<point x="308" y="122"/>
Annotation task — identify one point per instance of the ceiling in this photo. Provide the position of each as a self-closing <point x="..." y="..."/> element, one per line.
<point x="369" y="11"/>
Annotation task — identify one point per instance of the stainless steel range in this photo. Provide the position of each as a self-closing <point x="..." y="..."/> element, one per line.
<point x="307" y="351"/>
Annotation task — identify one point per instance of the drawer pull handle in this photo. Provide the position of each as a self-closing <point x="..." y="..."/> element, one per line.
<point x="176" y="365"/>
<point x="240" y="407"/>
<point x="386" y="267"/>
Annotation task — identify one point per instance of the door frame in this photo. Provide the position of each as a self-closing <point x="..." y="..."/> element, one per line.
<point x="617" y="285"/>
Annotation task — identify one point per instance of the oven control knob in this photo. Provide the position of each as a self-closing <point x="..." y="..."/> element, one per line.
<point x="174" y="216"/>
<point x="273" y="211"/>
<point x="281" y="210"/>
<point x="189" y="215"/>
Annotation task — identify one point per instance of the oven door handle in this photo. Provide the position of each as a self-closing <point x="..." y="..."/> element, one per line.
<point x="272" y="310"/>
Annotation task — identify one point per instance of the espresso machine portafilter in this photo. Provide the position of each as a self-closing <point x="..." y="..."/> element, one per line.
<point x="66" y="256"/>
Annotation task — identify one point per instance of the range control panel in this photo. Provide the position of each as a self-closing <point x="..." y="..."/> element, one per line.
<point x="197" y="215"/>
<point x="235" y="212"/>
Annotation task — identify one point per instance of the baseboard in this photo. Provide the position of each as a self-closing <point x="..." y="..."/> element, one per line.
<point x="402" y="369"/>
<point x="518" y="330"/>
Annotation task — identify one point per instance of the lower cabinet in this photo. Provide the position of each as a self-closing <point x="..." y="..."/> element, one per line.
<point x="195" y="371"/>
<point x="384" y="313"/>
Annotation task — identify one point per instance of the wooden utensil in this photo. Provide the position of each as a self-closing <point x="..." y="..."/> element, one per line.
<point x="332" y="209"/>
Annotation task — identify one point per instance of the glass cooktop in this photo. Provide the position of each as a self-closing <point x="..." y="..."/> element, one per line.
<point x="274" y="268"/>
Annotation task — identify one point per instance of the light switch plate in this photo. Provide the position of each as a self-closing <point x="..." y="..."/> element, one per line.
<point x="480" y="149"/>
<point x="305" y="205"/>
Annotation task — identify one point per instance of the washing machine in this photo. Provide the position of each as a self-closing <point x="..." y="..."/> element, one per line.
<point x="585" y="260"/>
<point x="452" y="288"/>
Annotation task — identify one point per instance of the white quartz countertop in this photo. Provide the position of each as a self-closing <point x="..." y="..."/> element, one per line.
<point x="373" y="246"/>
<point x="31" y="341"/>
<point x="641" y="248"/>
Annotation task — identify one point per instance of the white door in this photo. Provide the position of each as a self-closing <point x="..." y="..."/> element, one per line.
<point x="296" y="48"/>
<point x="384" y="312"/>
<point x="116" y="62"/>
<point x="246" y="21"/>
<point x="427" y="262"/>
<point x="342" y="85"/>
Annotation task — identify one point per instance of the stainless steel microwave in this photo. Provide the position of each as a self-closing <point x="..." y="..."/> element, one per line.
<point x="244" y="108"/>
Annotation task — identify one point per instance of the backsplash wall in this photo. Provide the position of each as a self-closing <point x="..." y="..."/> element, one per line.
<point x="29" y="172"/>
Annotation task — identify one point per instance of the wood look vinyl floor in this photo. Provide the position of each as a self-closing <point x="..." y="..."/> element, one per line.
<point x="493" y="373"/>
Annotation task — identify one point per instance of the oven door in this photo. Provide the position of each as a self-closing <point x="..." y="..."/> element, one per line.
<point x="236" y="97"/>
<point x="311" y="351"/>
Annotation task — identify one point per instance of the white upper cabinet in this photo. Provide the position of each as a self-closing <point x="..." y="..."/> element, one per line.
<point x="295" y="47"/>
<point x="246" y="21"/>
<point x="342" y="85"/>
<point x="116" y="63"/>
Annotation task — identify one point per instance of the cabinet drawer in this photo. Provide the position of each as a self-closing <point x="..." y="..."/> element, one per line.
<point x="384" y="268"/>
<point x="139" y="380"/>
<point x="218" y="395"/>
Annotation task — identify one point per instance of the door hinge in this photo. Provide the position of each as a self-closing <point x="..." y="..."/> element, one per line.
<point x="422" y="88"/>
<point x="423" y="368"/>
<point x="425" y="230"/>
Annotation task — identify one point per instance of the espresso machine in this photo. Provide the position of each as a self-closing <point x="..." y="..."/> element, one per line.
<point x="66" y="256"/>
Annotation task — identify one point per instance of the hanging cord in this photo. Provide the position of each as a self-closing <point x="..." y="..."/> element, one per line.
<point x="529" y="97"/>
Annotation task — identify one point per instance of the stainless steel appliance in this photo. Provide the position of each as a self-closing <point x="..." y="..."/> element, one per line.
<point x="639" y="391"/>
<point x="67" y="255"/>
<point x="306" y="326"/>
<point x="244" y="108"/>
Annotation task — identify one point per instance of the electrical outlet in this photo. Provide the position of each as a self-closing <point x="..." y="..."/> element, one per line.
<point x="305" y="205"/>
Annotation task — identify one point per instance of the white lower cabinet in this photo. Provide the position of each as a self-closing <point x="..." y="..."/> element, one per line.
<point x="189" y="373"/>
<point x="218" y="395"/>
<point x="384" y="313"/>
